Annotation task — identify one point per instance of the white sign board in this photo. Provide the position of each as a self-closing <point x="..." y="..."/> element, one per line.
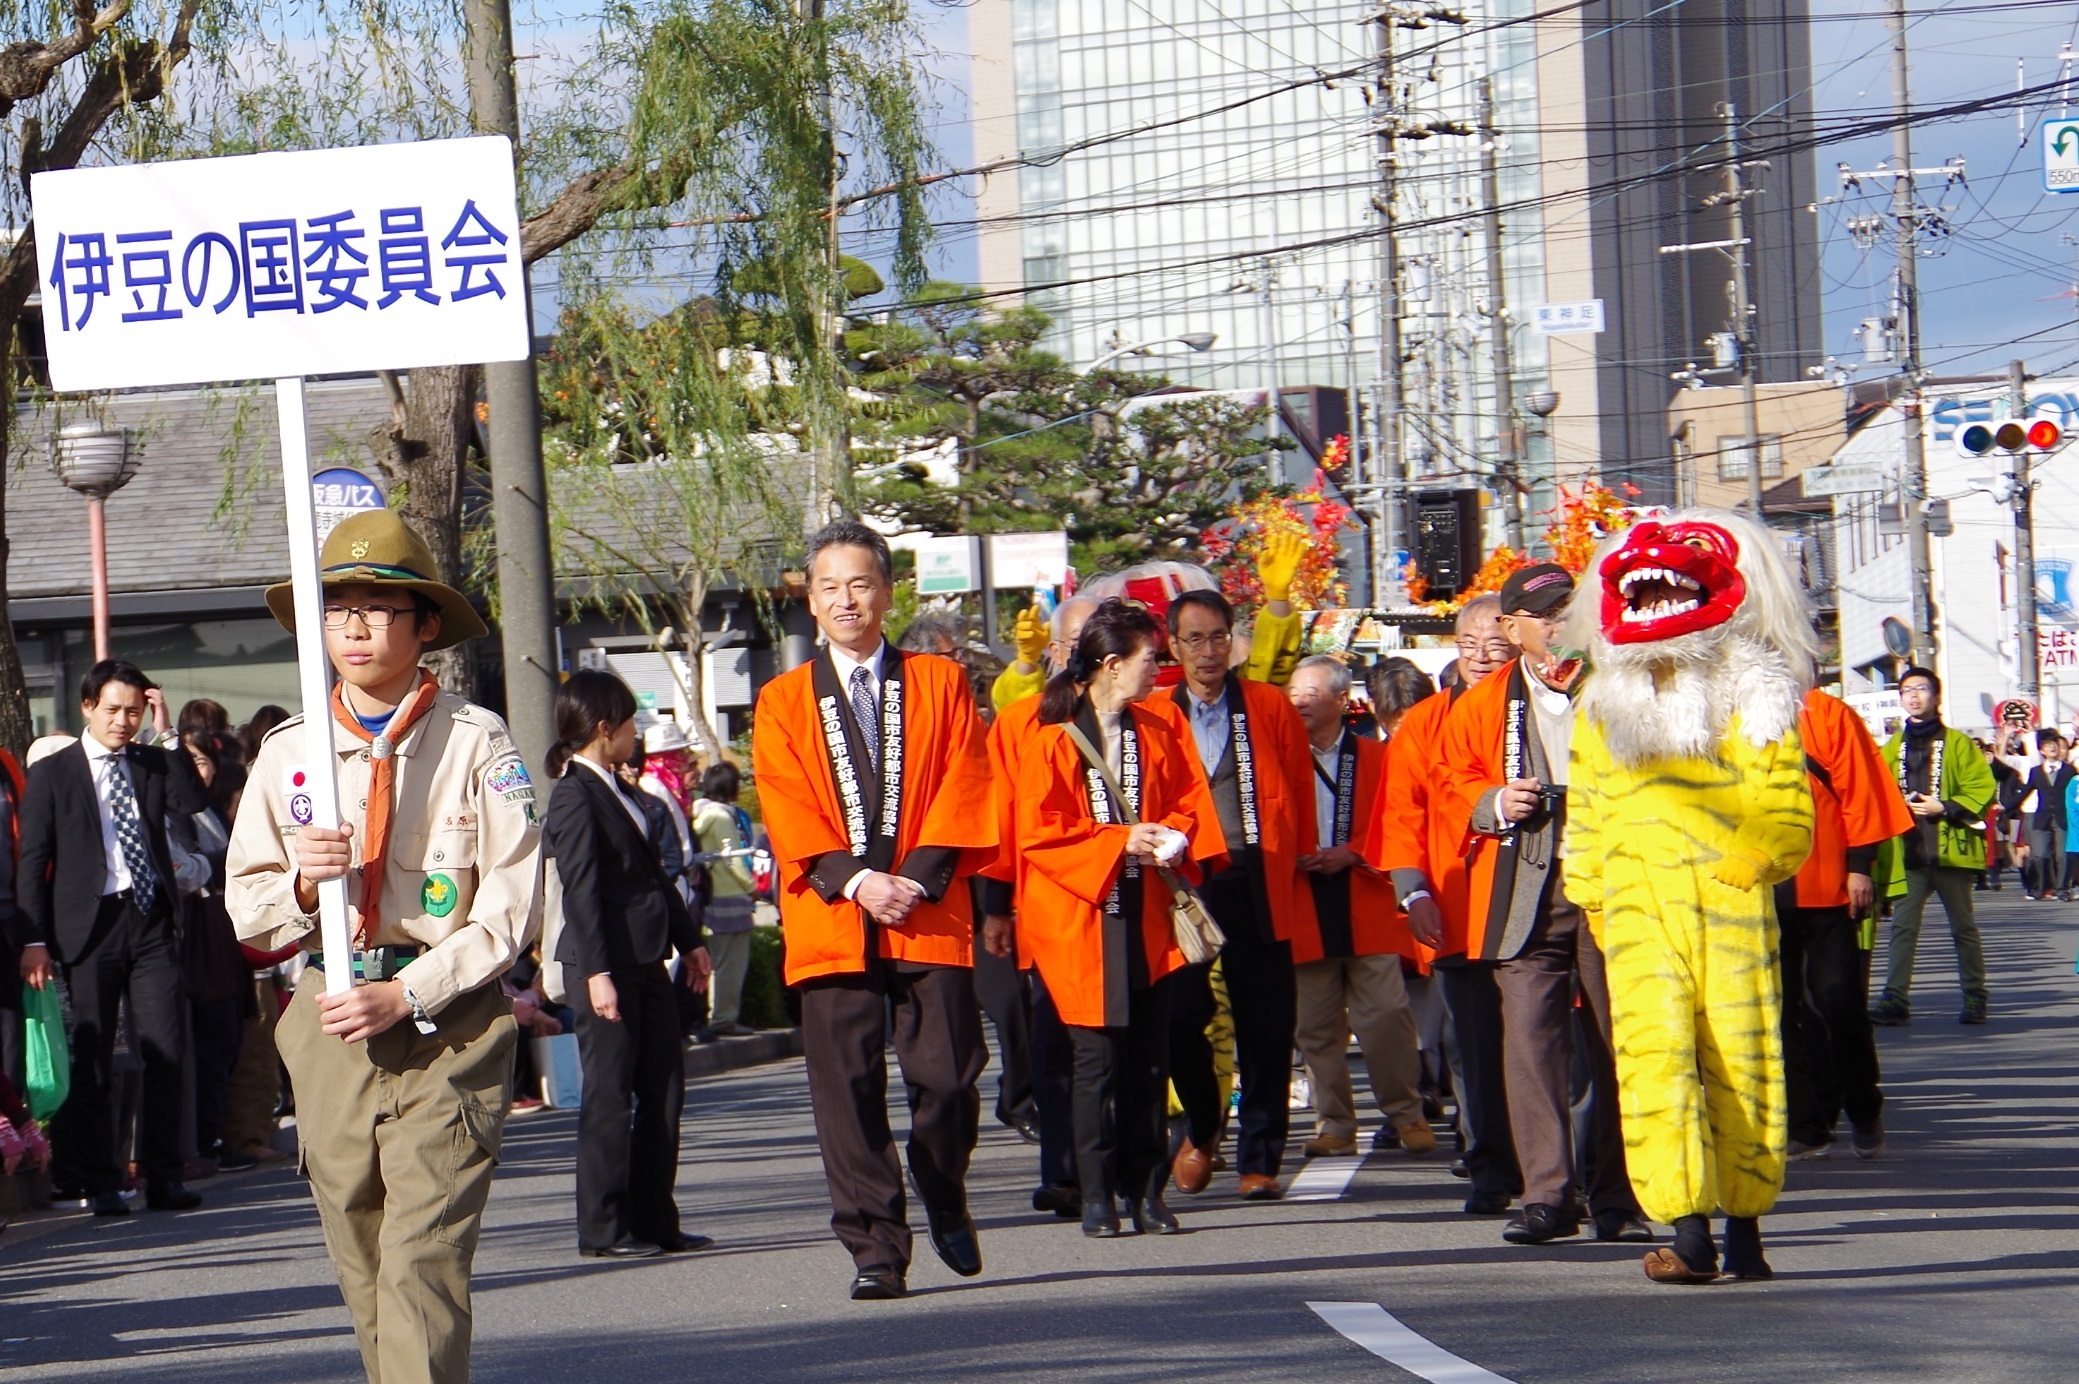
<point x="1563" y="319"/>
<point x="2058" y="137"/>
<point x="1027" y="559"/>
<point x="1821" y="481"/>
<point x="2057" y="650"/>
<point x="948" y="566"/>
<point x="384" y="257"/>
<point x="340" y="493"/>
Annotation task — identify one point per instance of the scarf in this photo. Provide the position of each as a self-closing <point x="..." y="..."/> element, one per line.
<point x="672" y="771"/>
<point x="382" y="788"/>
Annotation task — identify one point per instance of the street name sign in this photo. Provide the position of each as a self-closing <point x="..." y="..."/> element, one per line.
<point x="1565" y="319"/>
<point x="283" y="265"/>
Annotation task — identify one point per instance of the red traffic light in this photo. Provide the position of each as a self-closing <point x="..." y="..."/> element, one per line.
<point x="2043" y="434"/>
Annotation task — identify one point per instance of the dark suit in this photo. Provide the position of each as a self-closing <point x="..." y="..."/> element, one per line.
<point x="622" y="917"/>
<point x="2046" y="829"/>
<point x="107" y="948"/>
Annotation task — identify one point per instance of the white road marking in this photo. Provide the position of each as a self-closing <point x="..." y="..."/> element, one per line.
<point x="1323" y="1179"/>
<point x="1381" y="1333"/>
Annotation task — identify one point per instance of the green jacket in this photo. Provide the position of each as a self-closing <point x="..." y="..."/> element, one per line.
<point x="1966" y="790"/>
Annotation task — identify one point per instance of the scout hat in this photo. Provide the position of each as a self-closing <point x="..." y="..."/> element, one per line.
<point x="1537" y="589"/>
<point x="375" y="548"/>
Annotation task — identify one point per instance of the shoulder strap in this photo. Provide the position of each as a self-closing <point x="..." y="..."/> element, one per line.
<point x="1096" y="761"/>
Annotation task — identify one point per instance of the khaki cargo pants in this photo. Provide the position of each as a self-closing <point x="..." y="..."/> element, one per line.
<point x="399" y="1136"/>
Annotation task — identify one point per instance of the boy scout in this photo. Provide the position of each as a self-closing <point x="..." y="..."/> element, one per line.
<point x="406" y="1078"/>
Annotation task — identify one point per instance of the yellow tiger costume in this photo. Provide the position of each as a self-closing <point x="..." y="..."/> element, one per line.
<point x="1674" y="863"/>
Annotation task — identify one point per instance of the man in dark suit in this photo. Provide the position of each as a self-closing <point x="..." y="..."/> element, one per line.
<point x="97" y="897"/>
<point x="2045" y="824"/>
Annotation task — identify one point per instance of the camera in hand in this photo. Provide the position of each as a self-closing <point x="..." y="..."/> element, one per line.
<point x="1551" y="805"/>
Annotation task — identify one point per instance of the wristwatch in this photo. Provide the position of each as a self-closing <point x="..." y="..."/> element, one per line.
<point x="419" y="1017"/>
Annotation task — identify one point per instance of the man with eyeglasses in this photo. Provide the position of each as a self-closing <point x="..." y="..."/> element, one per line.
<point x="1420" y="841"/>
<point x="1254" y="757"/>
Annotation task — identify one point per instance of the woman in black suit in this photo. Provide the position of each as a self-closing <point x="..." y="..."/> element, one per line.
<point x="621" y="920"/>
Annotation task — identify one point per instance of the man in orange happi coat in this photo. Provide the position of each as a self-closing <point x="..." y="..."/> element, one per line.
<point x="1829" y="1051"/>
<point x="1419" y="839"/>
<point x="873" y="773"/>
<point x="1251" y="752"/>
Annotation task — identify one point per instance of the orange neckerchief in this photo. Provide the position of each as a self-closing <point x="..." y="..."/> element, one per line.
<point x="382" y="781"/>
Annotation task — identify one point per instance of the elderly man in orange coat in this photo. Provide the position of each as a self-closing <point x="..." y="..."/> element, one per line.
<point x="873" y="773"/>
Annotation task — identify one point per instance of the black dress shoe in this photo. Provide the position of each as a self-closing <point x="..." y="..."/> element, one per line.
<point x="623" y="1249"/>
<point x="1540" y="1224"/>
<point x="232" y="1160"/>
<point x="1064" y="1199"/>
<point x="109" y="1204"/>
<point x="1152" y="1216"/>
<point x="952" y="1235"/>
<point x="1623" y="1227"/>
<point x="1461" y="1168"/>
<point x="878" y="1284"/>
<point x="1026" y="1128"/>
<point x="1487" y="1203"/>
<point x="169" y="1196"/>
<point x="1101" y="1220"/>
<point x="677" y="1243"/>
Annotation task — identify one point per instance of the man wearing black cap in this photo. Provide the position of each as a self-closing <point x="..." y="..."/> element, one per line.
<point x="1505" y="752"/>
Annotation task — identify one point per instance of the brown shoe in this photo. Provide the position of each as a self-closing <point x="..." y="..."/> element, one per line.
<point x="1191" y="1169"/>
<point x="1417" y="1137"/>
<point x="1665" y="1266"/>
<point x="1260" y="1187"/>
<point x="1328" y="1146"/>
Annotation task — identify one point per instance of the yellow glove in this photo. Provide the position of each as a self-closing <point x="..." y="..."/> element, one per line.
<point x="1029" y="635"/>
<point x="1738" y="872"/>
<point x="1277" y="566"/>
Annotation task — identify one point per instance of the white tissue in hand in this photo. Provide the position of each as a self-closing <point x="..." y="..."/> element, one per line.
<point x="1173" y="844"/>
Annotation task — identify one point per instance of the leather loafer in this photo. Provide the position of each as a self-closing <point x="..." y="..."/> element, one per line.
<point x="1101" y="1220"/>
<point x="625" y="1249"/>
<point x="171" y="1196"/>
<point x="1623" y="1227"/>
<point x="1417" y="1137"/>
<point x="1540" y="1224"/>
<point x="1260" y="1187"/>
<point x="1487" y="1203"/>
<point x="878" y="1284"/>
<point x="1025" y="1127"/>
<point x="109" y="1204"/>
<point x="1064" y="1199"/>
<point x="1152" y="1216"/>
<point x="1328" y="1146"/>
<point x="1192" y="1168"/>
<point x="684" y="1244"/>
<point x="952" y="1235"/>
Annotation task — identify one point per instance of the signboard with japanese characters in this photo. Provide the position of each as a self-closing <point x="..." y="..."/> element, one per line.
<point x="388" y="256"/>
<point x="341" y="491"/>
<point x="2058" y="650"/>
<point x="1564" y="319"/>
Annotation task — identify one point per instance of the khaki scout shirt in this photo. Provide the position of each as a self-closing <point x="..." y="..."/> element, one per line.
<point x="461" y="874"/>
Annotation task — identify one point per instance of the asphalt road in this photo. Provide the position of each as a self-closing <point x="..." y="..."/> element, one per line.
<point x="1953" y="1258"/>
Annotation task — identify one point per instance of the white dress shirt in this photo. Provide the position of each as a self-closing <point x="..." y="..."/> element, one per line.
<point x="99" y="760"/>
<point x="621" y="795"/>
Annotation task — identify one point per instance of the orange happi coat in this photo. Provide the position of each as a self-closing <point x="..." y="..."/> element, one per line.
<point x="1284" y="794"/>
<point x="1068" y="863"/>
<point x="1470" y="760"/>
<point x="1420" y="826"/>
<point x="1856" y="802"/>
<point x="948" y="804"/>
<point x="1377" y="926"/>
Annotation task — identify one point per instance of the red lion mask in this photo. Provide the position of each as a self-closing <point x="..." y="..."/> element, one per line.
<point x="1668" y="580"/>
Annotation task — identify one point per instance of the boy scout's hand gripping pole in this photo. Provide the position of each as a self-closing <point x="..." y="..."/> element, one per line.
<point x="313" y="675"/>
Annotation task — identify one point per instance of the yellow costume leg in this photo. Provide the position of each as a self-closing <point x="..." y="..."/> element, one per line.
<point x="1740" y="1049"/>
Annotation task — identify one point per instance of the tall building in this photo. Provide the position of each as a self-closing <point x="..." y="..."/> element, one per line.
<point x="1218" y="167"/>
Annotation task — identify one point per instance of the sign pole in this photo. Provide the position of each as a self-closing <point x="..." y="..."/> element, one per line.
<point x="313" y="673"/>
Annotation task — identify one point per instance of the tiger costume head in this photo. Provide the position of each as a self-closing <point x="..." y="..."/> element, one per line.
<point x="1687" y="620"/>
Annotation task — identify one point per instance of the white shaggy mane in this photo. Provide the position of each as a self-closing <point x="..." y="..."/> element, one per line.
<point x="1676" y="698"/>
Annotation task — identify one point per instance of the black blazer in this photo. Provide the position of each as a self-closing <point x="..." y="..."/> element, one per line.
<point x="63" y="872"/>
<point x="619" y="908"/>
<point x="2050" y="796"/>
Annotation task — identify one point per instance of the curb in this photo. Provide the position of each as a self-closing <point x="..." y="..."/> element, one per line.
<point x="732" y="1054"/>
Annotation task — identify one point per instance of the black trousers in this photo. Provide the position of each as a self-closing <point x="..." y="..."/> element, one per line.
<point x="1829" y="1048"/>
<point x="938" y="1042"/>
<point x="628" y="1117"/>
<point x="139" y="957"/>
<point x="1474" y="1003"/>
<point x="1001" y="988"/>
<point x="1121" y="1098"/>
<point x="1053" y="1066"/>
<point x="1262" y="993"/>
<point x="219" y="1029"/>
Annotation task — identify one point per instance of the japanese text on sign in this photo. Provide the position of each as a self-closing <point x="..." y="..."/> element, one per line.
<point x="2058" y="649"/>
<point x="337" y="259"/>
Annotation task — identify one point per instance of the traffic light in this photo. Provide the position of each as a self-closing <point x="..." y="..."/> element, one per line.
<point x="2010" y="437"/>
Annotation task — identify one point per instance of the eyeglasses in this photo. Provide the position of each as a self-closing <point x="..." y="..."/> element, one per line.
<point x="1218" y="639"/>
<point x="1492" y="646"/>
<point x="375" y="617"/>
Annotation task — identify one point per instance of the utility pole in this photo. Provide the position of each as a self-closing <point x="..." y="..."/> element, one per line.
<point x="519" y="489"/>
<point x="2027" y="655"/>
<point x="1913" y="480"/>
<point x="1508" y="460"/>
<point x="1389" y="466"/>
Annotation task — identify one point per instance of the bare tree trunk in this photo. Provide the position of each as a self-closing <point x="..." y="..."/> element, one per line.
<point x="432" y="415"/>
<point x="692" y="638"/>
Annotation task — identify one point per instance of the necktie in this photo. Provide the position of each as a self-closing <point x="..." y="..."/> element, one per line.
<point x="122" y="807"/>
<point x="867" y="712"/>
<point x="382" y="781"/>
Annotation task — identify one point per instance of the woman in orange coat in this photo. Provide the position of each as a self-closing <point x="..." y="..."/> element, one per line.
<point x="1093" y="912"/>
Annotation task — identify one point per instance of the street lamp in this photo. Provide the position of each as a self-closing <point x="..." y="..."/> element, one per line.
<point x="96" y="462"/>
<point x="1197" y="341"/>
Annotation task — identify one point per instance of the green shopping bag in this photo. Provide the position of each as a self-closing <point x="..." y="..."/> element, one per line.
<point x="47" y="1055"/>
